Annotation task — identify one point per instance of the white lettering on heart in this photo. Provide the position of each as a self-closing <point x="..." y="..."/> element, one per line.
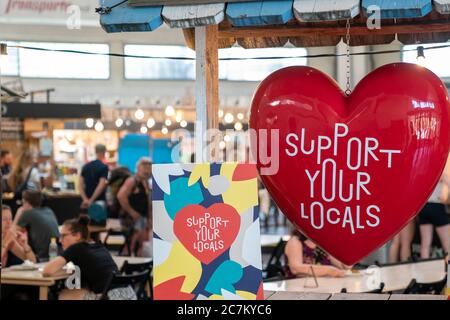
<point x="330" y="183"/>
<point x="207" y="232"/>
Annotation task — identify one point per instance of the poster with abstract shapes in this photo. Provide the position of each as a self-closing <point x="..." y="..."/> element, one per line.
<point x="206" y="235"/>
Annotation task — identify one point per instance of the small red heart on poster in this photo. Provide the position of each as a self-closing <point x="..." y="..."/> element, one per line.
<point x="351" y="171"/>
<point x="207" y="232"/>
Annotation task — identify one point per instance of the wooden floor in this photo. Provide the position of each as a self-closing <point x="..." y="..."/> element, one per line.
<point x="285" y="295"/>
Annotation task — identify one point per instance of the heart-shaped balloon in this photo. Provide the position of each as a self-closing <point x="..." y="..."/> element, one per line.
<point x="207" y="232"/>
<point x="350" y="172"/>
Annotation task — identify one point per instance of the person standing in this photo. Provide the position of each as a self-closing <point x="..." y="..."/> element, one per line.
<point x="40" y="223"/>
<point x="5" y="169"/>
<point x="401" y="244"/>
<point x="434" y="215"/>
<point x="6" y="161"/>
<point x="24" y="176"/>
<point x="94" y="179"/>
<point x="135" y="199"/>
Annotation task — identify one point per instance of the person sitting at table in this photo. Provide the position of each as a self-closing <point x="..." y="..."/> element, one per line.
<point x="94" y="260"/>
<point x="15" y="248"/>
<point x="302" y="254"/>
<point x="15" y="251"/>
<point x="40" y="222"/>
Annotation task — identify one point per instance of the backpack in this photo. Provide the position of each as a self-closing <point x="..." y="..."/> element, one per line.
<point x="117" y="178"/>
<point x="98" y="213"/>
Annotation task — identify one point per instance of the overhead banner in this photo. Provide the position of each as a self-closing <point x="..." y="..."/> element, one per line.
<point x="71" y="13"/>
<point x="206" y="232"/>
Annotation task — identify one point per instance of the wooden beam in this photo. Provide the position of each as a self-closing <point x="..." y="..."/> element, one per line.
<point x="193" y="16"/>
<point x="206" y="86"/>
<point x="324" y="10"/>
<point x="298" y="31"/>
<point x="138" y="3"/>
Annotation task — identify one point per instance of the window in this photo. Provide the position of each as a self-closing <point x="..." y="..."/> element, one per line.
<point x="437" y="60"/>
<point x="159" y="69"/>
<point x="257" y="70"/>
<point x="47" y="64"/>
<point x="237" y="70"/>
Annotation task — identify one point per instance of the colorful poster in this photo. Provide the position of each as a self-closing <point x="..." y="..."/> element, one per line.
<point x="206" y="232"/>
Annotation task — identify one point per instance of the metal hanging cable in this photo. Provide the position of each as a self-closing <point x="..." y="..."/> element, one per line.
<point x="325" y="55"/>
<point x="106" y="10"/>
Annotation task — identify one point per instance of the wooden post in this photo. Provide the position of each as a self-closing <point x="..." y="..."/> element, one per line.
<point x="206" y="86"/>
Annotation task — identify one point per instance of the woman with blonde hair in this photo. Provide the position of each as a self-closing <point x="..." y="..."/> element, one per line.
<point x="24" y="176"/>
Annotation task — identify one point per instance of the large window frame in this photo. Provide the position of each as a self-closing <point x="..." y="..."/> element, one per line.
<point x="81" y="46"/>
<point x="232" y="52"/>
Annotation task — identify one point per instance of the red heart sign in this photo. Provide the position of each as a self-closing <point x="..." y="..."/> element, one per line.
<point x="350" y="172"/>
<point x="207" y="232"/>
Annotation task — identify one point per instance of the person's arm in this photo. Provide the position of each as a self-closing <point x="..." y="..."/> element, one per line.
<point x="7" y="244"/>
<point x="35" y="178"/>
<point x="54" y="266"/>
<point x="339" y="264"/>
<point x="83" y="195"/>
<point x="18" y="216"/>
<point x="294" y="253"/>
<point x="102" y="183"/>
<point x="21" y="248"/>
<point x="150" y="204"/>
<point x="123" y="194"/>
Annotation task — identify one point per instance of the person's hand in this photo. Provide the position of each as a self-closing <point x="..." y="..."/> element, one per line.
<point x="337" y="273"/>
<point x="85" y="204"/>
<point x="22" y="239"/>
<point x="10" y="238"/>
<point x="135" y="216"/>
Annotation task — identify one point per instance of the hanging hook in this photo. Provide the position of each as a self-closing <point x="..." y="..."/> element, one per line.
<point x="348" y="91"/>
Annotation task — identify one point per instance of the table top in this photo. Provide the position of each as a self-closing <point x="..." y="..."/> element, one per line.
<point x="285" y="295"/>
<point x="395" y="277"/>
<point x="35" y="277"/>
<point x="121" y="260"/>
<point x="31" y="278"/>
<point x="270" y="240"/>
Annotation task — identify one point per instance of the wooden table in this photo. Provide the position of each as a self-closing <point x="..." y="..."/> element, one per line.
<point x="394" y="277"/>
<point x="32" y="278"/>
<point x="270" y="240"/>
<point x="285" y="295"/>
<point x="121" y="260"/>
<point x="35" y="278"/>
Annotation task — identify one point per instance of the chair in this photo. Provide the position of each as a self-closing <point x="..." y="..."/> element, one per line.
<point x="275" y="268"/>
<point x="134" y="282"/>
<point x="415" y="287"/>
<point x="126" y="244"/>
<point x="133" y="268"/>
<point x="378" y="290"/>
